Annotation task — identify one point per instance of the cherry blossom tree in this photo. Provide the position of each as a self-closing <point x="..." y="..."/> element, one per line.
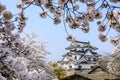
<point x="20" y="58"/>
<point x="24" y="60"/>
<point x="112" y="61"/>
<point x="114" y="58"/>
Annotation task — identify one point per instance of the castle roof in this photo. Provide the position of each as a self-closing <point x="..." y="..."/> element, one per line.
<point x="80" y="44"/>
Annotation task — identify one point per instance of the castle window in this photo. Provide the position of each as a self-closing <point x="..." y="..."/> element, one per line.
<point x="80" y="67"/>
<point x="94" y="59"/>
<point x="76" y="57"/>
<point x="88" y="59"/>
<point x="70" y="66"/>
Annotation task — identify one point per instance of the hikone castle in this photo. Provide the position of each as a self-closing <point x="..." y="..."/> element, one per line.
<point x="80" y="57"/>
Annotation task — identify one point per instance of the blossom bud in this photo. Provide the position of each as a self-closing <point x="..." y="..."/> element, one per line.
<point x="7" y="15"/>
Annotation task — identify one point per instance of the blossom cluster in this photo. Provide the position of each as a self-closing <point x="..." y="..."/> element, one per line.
<point x="10" y="22"/>
<point x="106" y="14"/>
<point x="20" y="58"/>
<point x="114" y="61"/>
<point x="24" y="59"/>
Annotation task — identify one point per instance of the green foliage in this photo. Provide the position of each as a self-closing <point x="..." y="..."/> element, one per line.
<point x="59" y="71"/>
<point x="53" y="65"/>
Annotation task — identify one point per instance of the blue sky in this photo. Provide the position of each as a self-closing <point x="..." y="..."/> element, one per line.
<point x="55" y="35"/>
